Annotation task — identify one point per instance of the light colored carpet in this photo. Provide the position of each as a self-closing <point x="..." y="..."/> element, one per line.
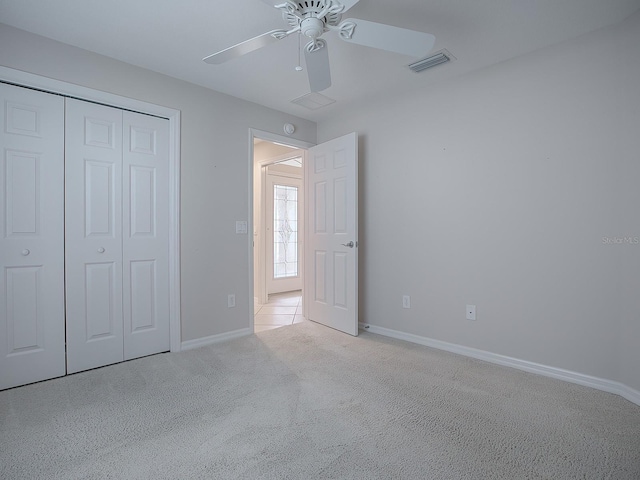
<point x="306" y="402"/>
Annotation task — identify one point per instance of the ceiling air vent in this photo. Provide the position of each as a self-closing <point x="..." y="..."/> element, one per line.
<point x="313" y="101"/>
<point x="436" y="59"/>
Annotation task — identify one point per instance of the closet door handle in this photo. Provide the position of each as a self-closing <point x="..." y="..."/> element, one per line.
<point x="25" y="252"/>
<point x="101" y="250"/>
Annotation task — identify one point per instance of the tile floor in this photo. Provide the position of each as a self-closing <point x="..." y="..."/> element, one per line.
<point x="282" y="309"/>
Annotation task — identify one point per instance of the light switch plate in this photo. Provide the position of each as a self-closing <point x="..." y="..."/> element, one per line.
<point x="241" y="227"/>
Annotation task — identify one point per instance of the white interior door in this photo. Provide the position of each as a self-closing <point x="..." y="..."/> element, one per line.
<point x="283" y="233"/>
<point x="32" y="346"/>
<point x="331" y="275"/>
<point x="93" y="177"/>
<point x="145" y="235"/>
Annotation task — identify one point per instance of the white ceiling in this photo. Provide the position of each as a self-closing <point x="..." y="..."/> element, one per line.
<point x="172" y="37"/>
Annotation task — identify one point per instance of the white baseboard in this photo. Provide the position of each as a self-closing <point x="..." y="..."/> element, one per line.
<point x="553" y="372"/>
<point x="211" y="339"/>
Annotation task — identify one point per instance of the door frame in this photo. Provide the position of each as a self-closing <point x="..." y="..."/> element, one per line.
<point x="49" y="85"/>
<point x="275" y="138"/>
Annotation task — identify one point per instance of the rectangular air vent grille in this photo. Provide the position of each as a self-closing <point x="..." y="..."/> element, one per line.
<point x="436" y="59"/>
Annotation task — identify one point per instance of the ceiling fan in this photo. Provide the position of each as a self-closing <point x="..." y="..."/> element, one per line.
<point x="312" y="18"/>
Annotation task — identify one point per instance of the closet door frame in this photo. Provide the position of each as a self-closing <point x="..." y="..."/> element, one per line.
<point x="29" y="80"/>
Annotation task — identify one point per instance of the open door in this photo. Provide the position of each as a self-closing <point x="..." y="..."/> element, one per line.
<point x="331" y="251"/>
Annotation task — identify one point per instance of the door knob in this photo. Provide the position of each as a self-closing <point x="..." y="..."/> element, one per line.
<point x="25" y="252"/>
<point x="101" y="250"/>
<point x="350" y="244"/>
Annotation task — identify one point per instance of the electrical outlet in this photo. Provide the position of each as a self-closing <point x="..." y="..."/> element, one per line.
<point x="471" y="312"/>
<point x="231" y="300"/>
<point x="406" y="301"/>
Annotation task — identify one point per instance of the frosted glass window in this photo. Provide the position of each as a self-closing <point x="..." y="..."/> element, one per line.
<point x="285" y="231"/>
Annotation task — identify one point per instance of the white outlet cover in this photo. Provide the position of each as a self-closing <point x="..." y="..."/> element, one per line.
<point x="406" y="301"/>
<point x="471" y="312"/>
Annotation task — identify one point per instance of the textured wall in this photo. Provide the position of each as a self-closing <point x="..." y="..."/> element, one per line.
<point x="496" y="189"/>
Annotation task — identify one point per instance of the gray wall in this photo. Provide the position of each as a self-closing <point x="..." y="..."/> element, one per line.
<point x="214" y="168"/>
<point x="496" y="189"/>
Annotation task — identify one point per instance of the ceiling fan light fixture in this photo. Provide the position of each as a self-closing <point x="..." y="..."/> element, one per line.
<point x="312" y="27"/>
<point x="438" y="58"/>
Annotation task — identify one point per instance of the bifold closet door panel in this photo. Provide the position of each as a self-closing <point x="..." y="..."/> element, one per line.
<point x="32" y="344"/>
<point x="93" y="229"/>
<point x="145" y="235"/>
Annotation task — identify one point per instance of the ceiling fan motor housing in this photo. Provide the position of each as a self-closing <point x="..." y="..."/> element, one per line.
<point x="304" y="10"/>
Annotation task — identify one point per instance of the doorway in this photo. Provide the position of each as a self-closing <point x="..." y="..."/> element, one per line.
<point x="278" y="225"/>
<point x="330" y="241"/>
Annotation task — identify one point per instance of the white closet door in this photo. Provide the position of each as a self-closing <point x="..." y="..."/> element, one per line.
<point x="93" y="177"/>
<point x="145" y="235"/>
<point x="32" y="238"/>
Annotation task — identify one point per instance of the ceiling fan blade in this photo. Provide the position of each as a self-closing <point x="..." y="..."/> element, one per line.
<point x="387" y="37"/>
<point x="318" y="68"/>
<point x="244" y="47"/>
